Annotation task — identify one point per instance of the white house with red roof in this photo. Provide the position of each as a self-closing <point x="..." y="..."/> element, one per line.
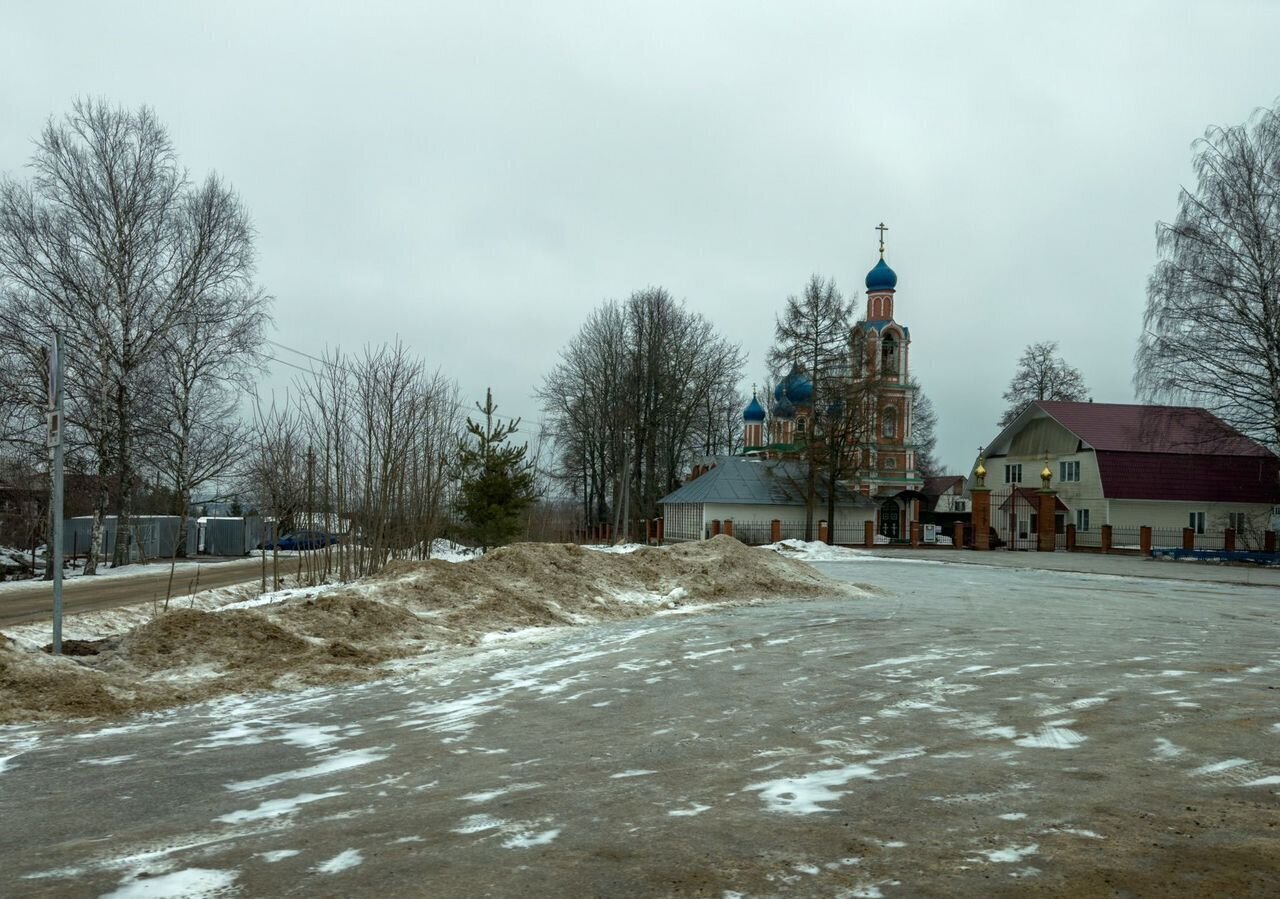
<point x="1132" y="465"/>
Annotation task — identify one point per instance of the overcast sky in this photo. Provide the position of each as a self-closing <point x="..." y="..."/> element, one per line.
<point x="475" y="177"/>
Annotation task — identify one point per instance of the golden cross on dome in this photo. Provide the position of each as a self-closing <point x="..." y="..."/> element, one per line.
<point x="882" y="227"/>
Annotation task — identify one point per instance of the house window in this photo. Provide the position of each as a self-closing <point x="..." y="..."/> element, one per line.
<point x="1013" y="474"/>
<point x="1196" y="522"/>
<point x="800" y="425"/>
<point x="959" y="505"/>
<point x="1082" y="519"/>
<point x="889" y="419"/>
<point x="1237" y="521"/>
<point x="1068" y="471"/>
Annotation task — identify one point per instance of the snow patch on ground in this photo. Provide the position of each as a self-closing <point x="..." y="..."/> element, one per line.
<point x="1217" y="767"/>
<point x="191" y="883"/>
<point x="344" y="860"/>
<point x="342" y="761"/>
<point x="1011" y="854"/>
<point x="478" y="823"/>
<point x="1051" y="737"/>
<point x="694" y="809"/>
<point x="530" y="840"/>
<point x="274" y="808"/>
<point x="104" y="762"/>
<point x="806" y="794"/>
<point x="278" y="855"/>
<point x="21" y="745"/>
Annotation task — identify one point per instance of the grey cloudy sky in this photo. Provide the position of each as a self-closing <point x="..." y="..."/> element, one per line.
<point x="475" y="177"/>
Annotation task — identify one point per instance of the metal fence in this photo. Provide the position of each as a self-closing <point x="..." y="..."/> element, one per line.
<point x="148" y="536"/>
<point x="849" y="534"/>
<point x="1166" y="538"/>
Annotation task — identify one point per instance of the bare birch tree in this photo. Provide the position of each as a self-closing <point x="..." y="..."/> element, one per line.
<point x="1042" y="374"/>
<point x="1211" y="333"/>
<point x="109" y="244"/>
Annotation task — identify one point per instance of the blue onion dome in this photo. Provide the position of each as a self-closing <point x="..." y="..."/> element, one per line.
<point x="799" y="388"/>
<point x="780" y="391"/>
<point x="784" y="408"/>
<point x="754" y="411"/>
<point x="881" y="277"/>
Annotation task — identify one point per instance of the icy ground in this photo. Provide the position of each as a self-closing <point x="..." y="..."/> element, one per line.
<point x="969" y="731"/>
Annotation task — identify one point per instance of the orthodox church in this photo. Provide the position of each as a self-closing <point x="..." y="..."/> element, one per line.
<point x="759" y="482"/>
<point x="884" y="462"/>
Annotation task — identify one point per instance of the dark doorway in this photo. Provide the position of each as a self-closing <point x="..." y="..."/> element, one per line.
<point x="889" y="519"/>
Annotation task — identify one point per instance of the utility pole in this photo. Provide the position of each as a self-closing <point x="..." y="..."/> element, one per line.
<point x="55" y="476"/>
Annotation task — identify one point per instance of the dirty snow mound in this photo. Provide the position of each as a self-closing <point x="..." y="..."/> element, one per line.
<point x="531" y="584"/>
<point x="343" y="633"/>
<point x="35" y="686"/>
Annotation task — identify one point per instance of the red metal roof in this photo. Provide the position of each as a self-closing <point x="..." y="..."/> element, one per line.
<point x="1190" y="477"/>
<point x="1031" y="497"/>
<point x="1177" y="453"/>
<point x="1152" y="429"/>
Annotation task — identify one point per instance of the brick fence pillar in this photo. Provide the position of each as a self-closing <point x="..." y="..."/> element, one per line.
<point x="1188" y="538"/>
<point x="1071" y="538"/>
<point x="1229" y="540"/>
<point x="1144" y="540"/>
<point x="728" y="527"/>
<point x="1269" y="541"/>
<point x="869" y="533"/>
<point x="1046" y="521"/>
<point x="661" y="529"/>
<point x="1106" y="538"/>
<point x="916" y="528"/>
<point x="824" y="532"/>
<point x="775" y="531"/>
<point x="957" y="535"/>
<point x="981" y="517"/>
<point x="715" y="527"/>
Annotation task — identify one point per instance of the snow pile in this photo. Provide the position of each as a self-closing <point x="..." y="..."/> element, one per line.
<point x="816" y="551"/>
<point x="624" y="548"/>
<point x="448" y="551"/>
<point x="344" y="633"/>
<point x="16" y="563"/>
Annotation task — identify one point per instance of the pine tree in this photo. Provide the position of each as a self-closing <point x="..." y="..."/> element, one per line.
<point x="497" y="482"/>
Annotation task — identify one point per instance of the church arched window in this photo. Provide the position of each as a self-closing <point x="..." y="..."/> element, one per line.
<point x="889" y="421"/>
<point x="888" y="356"/>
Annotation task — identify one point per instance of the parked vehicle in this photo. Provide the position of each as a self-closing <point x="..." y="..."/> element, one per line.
<point x="296" y="540"/>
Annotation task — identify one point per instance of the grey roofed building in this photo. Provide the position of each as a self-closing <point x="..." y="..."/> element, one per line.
<point x="752" y="492"/>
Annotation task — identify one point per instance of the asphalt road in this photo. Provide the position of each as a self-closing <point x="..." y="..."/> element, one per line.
<point x="970" y="732"/>
<point x="20" y="603"/>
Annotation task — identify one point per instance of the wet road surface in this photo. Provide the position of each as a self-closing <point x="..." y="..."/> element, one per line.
<point x="968" y="731"/>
